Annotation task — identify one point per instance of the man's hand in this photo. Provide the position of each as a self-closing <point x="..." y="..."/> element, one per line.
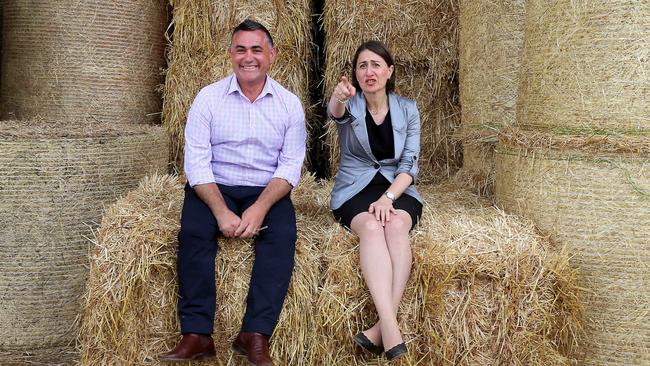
<point x="251" y="221"/>
<point x="228" y="222"/>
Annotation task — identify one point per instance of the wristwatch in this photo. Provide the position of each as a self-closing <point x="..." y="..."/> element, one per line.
<point x="390" y="196"/>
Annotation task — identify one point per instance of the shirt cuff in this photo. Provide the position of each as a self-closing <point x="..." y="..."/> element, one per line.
<point x="285" y="174"/>
<point x="195" y="179"/>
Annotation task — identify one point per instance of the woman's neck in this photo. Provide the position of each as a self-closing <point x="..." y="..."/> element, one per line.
<point x="376" y="102"/>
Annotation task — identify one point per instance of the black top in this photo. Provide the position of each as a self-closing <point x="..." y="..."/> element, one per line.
<point x="380" y="137"/>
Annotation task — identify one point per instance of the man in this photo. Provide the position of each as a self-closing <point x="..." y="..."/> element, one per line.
<point x="244" y="149"/>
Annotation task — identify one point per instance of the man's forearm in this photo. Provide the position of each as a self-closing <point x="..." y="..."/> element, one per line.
<point x="209" y="193"/>
<point x="274" y="191"/>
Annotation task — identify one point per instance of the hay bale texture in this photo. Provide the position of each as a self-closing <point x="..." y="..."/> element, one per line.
<point x="485" y="290"/>
<point x="491" y="36"/>
<point x="55" y="180"/>
<point x="577" y="160"/>
<point x="199" y="52"/>
<point x="130" y="314"/>
<point x="83" y="60"/>
<point x="422" y="35"/>
<point x="585" y="68"/>
<point x="598" y="205"/>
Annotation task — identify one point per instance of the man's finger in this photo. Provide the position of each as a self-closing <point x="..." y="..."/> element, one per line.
<point x="241" y="228"/>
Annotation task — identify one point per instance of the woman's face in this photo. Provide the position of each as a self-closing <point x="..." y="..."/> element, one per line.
<point x="372" y="72"/>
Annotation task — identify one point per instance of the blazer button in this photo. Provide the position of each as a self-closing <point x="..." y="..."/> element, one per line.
<point x="377" y="166"/>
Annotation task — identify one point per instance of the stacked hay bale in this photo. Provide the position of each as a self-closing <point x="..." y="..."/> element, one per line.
<point x="81" y="78"/>
<point x="485" y="290"/>
<point x="490" y="46"/>
<point x="422" y="36"/>
<point x="199" y="52"/>
<point x="579" y="161"/>
<point x="130" y="304"/>
<point x="55" y="180"/>
<point x="82" y="60"/>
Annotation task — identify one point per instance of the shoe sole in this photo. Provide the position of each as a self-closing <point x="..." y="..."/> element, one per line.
<point x="238" y="350"/>
<point x="241" y="352"/>
<point x="200" y="356"/>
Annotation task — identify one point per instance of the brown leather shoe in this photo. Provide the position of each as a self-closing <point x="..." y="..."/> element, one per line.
<point x="192" y="347"/>
<point x="254" y="346"/>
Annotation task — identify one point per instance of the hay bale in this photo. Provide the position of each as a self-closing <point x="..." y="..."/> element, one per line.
<point x="597" y="204"/>
<point x="490" y="47"/>
<point x="491" y="36"/>
<point x="55" y="180"/>
<point x="199" y="52"/>
<point x="83" y="60"/>
<point x="424" y="45"/>
<point x="130" y="313"/>
<point x="485" y="290"/>
<point x="585" y="68"/>
<point x="477" y="174"/>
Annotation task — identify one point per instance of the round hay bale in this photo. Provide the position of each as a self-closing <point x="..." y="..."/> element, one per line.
<point x="585" y="68"/>
<point x="597" y="204"/>
<point x="477" y="173"/>
<point x="485" y="290"/>
<point x="132" y="289"/>
<point x="491" y="37"/>
<point x="55" y="182"/>
<point x="490" y="46"/>
<point x="199" y="52"/>
<point x="83" y="60"/>
<point x="422" y="35"/>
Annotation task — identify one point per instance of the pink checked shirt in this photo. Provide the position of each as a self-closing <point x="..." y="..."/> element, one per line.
<point x="231" y="141"/>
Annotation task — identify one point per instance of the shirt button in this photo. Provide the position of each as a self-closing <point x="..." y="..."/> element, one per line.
<point x="377" y="166"/>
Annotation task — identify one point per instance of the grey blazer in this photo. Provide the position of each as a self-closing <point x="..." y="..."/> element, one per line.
<point x="358" y="166"/>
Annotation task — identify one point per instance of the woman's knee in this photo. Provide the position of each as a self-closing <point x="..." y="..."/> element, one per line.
<point x="399" y="224"/>
<point x="366" y="224"/>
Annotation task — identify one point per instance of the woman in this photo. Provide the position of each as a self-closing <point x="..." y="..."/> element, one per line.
<point x="374" y="193"/>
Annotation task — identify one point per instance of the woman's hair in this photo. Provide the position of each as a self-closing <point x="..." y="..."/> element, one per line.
<point x="380" y="49"/>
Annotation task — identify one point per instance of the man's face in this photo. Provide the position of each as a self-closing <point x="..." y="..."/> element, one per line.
<point x="251" y="56"/>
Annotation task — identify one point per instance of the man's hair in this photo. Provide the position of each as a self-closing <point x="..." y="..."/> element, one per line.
<point x="251" y="25"/>
<point x="380" y="49"/>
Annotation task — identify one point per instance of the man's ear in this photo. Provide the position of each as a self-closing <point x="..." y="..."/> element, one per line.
<point x="273" y="52"/>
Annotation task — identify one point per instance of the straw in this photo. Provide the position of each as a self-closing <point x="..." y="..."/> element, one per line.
<point x="490" y="47"/>
<point x="422" y="36"/>
<point x="53" y="191"/>
<point x="83" y="60"/>
<point x="199" y="45"/>
<point x="585" y="69"/>
<point x="597" y="204"/>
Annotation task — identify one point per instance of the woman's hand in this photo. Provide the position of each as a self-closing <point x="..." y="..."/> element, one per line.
<point x="343" y="91"/>
<point x="382" y="209"/>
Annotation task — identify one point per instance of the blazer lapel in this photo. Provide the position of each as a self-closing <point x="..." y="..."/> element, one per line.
<point x="359" y="124"/>
<point x="399" y="124"/>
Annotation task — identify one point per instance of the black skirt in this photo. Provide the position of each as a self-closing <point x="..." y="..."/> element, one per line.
<point x="372" y="192"/>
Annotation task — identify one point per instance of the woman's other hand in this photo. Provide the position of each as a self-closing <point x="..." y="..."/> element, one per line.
<point x="382" y="209"/>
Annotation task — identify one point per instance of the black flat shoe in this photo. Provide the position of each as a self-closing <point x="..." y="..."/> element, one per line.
<point x="367" y="344"/>
<point x="396" y="352"/>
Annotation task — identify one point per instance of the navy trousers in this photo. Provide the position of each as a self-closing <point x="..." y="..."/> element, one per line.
<point x="272" y="269"/>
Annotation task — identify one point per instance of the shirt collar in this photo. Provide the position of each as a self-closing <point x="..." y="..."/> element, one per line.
<point x="234" y="87"/>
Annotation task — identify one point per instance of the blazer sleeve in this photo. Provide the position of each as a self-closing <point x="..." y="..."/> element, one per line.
<point x="408" y="162"/>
